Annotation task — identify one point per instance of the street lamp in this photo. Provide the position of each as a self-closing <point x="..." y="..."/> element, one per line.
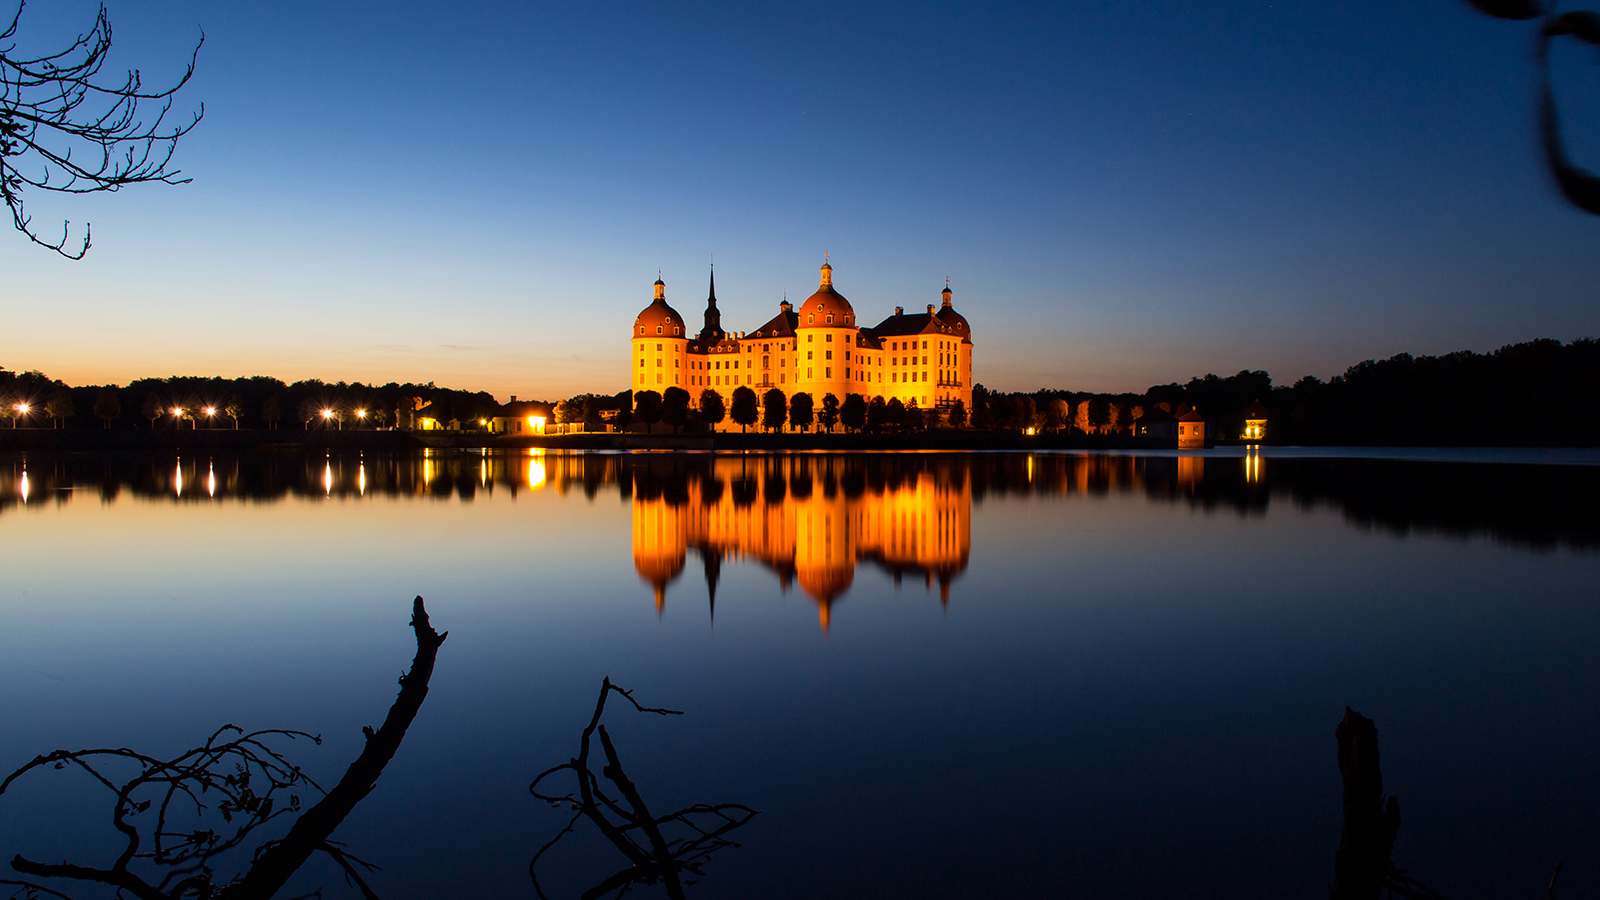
<point x="22" y="412"/>
<point x="361" y="414"/>
<point x="177" y="416"/>
<point x="211" y="414"/>
<point x="327" y="416"/>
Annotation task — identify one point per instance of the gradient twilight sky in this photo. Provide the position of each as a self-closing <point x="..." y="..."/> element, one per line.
<point x="1122" y="194"/>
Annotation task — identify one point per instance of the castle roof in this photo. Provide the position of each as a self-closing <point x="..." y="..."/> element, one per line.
<point x="827" y="301"/>
<point x="658" y="315"/>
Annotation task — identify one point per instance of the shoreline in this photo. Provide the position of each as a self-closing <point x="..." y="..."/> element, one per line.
<point x="290" y="441"/>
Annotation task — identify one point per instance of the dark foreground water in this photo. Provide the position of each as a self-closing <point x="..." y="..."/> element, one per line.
<point x="935" y="675"/>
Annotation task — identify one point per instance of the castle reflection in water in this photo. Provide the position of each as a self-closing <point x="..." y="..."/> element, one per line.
<point x="813" y="518"/>
<point x="810" y="519"/>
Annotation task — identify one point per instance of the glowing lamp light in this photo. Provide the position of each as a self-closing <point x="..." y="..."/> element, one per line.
<point x="177" y="410"/>
<point x="327" y="414"/>
<point x="361" y="414"/>
<point x="211" y="410"/>
<point x="23" y="408"/>
<point x="536" y="423"/>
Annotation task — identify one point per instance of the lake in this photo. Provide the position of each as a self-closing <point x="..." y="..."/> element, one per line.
<point x="935" y="675"/>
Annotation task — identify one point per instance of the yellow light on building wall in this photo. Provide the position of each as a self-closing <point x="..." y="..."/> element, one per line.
<point x="536" y="424"/>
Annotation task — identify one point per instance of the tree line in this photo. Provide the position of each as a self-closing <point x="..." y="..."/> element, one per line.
<point x="1534" y="393"/>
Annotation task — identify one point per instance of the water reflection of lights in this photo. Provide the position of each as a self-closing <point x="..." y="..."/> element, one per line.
<point x="23" y="485"/>
<point x="1030" y="468"/>
<point x="535" y="474"/>
<point x="803" y="527"/>
<point x="177" y="479"/>
<point x="327" y="478"/>
<point x="361" y="478"/>
<point x="211" y="479"/>
<point x="1252" y="465"/>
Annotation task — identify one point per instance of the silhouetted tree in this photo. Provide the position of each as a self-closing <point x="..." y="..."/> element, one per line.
<point x="60" y="406"/>
<point x="675" y="408"/>
<point x="235" y="410"/>
<point x="746" y="408"/>
<point x="624" y="408"/>
<point x="894" y="413"/>
<point x="647" y="407"/>
<point x="828" y="416"/>
<point x="774" y="410"/>
<point x="878" y="415"/>
<point x="854" y="412"/>
<point x="272" y="411"/>
<point x="958" y="414"/>
<point x="53" y="108"/>
<point x="801" y="412"/>
<point x="106" y="405"/>
<point x="712" y="409"/>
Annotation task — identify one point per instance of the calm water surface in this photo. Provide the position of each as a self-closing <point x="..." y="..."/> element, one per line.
<point x="936" y="675"/>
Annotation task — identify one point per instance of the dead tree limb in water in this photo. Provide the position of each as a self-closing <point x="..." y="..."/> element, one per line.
<point x="245" y="778"/>
<point x="659" y="849"/>
<point x="1361" y="865"/>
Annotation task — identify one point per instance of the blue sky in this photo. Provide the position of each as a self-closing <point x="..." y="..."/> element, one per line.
<point x="1121" y="193"/>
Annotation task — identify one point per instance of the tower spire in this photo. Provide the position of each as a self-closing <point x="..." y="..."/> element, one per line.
<point x="712" y="332"/>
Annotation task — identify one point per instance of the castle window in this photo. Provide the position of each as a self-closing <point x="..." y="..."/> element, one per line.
<point x="641" y="363"/>
<point x="829" y="372"/>
<point x="830" y="320"/>
<point x="830" y="338"/>
<point x="765" y="347"/>
<point x="830" y="354"/>
<point x="808" y="371"/>
<point x="658" y="348"/>
<point x="808" y="354"/>
<point x="658" y="329"/>
<point x="810" y="319"/>
<point x="809" y="338"/>
<point x="675" y="329"/>
<point x="658" y="362"/>
<point x="641" y="329"/>
<point x="765" y="362"/>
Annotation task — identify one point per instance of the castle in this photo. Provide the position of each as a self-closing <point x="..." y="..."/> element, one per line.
<point x="818" y="348"/>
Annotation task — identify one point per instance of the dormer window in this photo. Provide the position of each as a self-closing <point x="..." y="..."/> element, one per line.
<point x="658" y="329"/>
<point x="830" y="318"/>
<point x="810" y="319"/>
<point x="675" y="329"/>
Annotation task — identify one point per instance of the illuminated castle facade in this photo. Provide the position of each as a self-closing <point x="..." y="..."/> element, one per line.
<point x="818" y="348"/>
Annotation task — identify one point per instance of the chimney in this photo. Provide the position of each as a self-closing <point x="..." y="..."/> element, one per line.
<point x="899" y="310"/>
<point x="930" y="309"/>
<point x="513" y="398"/>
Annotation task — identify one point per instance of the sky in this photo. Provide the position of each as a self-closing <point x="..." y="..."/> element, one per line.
<point x="1121" y="194"/>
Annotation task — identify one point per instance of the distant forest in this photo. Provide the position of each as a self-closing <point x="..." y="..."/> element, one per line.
<point x="1536" y="393"/>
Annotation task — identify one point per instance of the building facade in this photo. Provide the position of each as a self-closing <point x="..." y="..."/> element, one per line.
<point x="817" y="347"/>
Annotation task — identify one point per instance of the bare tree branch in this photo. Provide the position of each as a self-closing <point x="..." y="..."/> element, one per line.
<point x="53" y="106"/>
<point x="676" y="843"/>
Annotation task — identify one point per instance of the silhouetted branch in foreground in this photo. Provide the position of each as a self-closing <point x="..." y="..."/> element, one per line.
<point x="1363" y="868"/>
<point x="55" y="105"/>
<point x="1580" y="186"/>
<point x="166" y="810"/>
<point x="659" y="849"/>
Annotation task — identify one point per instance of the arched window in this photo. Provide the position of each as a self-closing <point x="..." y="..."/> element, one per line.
<point x="658" y="329"/>
<point x="811" y="318"/>
<point x="830" y="318"/>
<point x="675" y="329"/>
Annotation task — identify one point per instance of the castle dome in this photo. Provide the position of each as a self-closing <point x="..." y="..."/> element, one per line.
<point x="658" y="319"/>
<point x="953" y="320"/>
<point x="825" y="303"/>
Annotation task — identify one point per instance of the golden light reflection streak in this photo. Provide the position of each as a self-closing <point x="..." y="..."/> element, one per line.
<point x="361" y="478"/>
<point x="535" y="475"/>
<point x="327" y="478"/>
<point x="211" y="479"/>
<point x="24" y="485"/>
<point x="1252" y="465"/>
<point x="177" y="479"/>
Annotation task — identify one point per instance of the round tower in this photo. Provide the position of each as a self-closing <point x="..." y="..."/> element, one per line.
<point x="660" y="345"/>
